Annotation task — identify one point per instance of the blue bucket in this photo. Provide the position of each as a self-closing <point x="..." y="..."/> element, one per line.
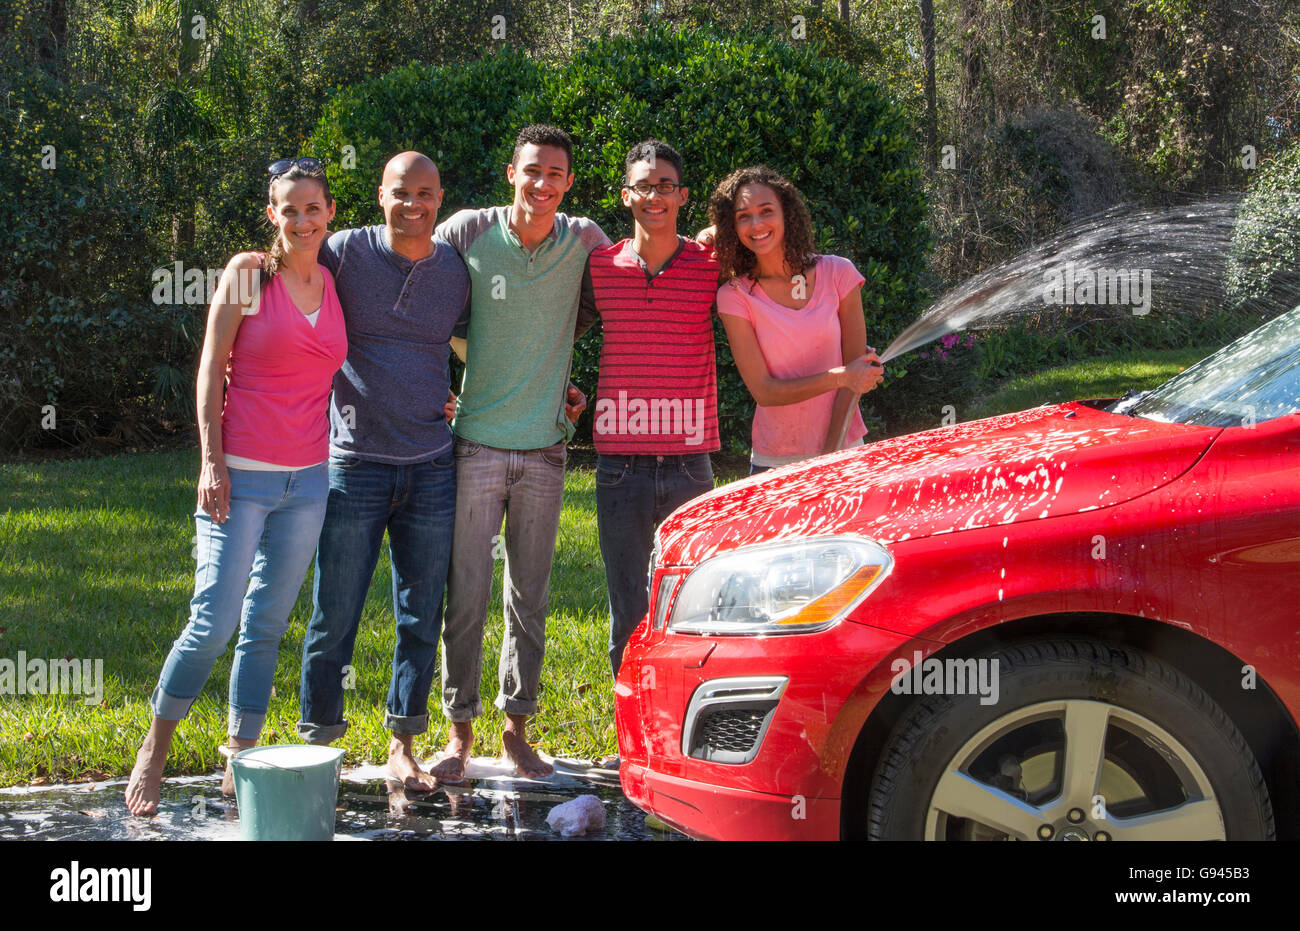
<point x="287" y="792"/>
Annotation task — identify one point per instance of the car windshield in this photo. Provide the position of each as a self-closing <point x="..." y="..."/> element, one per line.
<point x="1252" y="380"/>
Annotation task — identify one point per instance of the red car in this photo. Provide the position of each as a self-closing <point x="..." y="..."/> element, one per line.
<point x="1078" y="622"/>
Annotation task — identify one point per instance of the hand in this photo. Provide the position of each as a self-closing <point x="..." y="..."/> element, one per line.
<point x="575" y="402"/>
<point x="214" y="491"/>
<point x="864" y="373"/>
<point x="706" y="236"/>
<point x="449" y="409"/>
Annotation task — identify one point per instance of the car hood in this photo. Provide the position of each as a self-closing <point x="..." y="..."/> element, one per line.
<point x="1046" y="462"/>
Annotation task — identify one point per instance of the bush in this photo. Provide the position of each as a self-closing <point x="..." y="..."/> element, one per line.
<point x="1020" y="182"/>
<point x="726" y="102"/>
<point x="961" y="369"/>
<point x="1264" y="264"/>
<point x="837" y="136"/>
<point x="76" y="331"/>
<point x="458" y="115"/>
<point x="723" y="101"/>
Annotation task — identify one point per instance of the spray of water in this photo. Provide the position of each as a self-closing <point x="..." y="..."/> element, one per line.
<point x="1170" y="258"/>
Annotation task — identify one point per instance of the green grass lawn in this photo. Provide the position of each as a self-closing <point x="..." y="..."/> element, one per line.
<point x="1107" y="377"/>
<point x="95" y="563"/>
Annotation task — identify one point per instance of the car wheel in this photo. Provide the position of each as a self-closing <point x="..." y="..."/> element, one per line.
<point x="1087" y="741"/>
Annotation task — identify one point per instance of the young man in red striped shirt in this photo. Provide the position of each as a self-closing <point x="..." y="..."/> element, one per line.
<point x="656" y="415"/>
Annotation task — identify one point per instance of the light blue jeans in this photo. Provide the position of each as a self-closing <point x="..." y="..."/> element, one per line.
<point x="250" y="570"/>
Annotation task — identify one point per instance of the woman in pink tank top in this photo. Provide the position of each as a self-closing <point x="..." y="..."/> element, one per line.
<point x="275" y="338"/>
<point x="793" y="318"/>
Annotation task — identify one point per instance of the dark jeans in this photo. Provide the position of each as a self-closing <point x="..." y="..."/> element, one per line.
<point x="416" y="503"/>
<point x="633" y="496"/>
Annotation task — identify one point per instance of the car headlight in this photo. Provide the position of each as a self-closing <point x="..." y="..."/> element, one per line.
<point x="779" y="588"/>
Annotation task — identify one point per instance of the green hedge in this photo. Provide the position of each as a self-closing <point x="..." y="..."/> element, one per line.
<point x="455" y="114"/>
<point x="723" y="101"/>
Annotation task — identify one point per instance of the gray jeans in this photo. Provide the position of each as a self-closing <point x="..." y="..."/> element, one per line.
<point x="525" y="486"/>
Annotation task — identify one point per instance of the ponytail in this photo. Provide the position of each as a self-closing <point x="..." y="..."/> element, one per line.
<point x="273" y="259"/>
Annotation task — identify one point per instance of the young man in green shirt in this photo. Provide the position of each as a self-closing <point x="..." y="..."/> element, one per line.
<point x="513" y="418"/>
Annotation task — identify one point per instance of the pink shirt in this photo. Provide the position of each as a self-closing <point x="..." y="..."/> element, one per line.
<point x="279" y="377"/>
<point x="796" y="343"/>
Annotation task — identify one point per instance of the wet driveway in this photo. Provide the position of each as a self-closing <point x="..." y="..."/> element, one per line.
<point x="492" y="804"/>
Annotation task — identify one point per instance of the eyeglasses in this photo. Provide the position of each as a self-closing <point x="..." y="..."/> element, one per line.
<point x="308" y="164"/>
<point x="643" y="189"/>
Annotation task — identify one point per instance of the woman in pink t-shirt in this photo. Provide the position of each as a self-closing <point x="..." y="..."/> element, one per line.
<point x="275" y="338"/>
<point x="793" y="318"/>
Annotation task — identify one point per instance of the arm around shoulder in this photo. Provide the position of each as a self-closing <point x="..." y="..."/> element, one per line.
<point x="589" y="231"/>
<point x="463" y="227"/>
<point x="333" y="249"/>
<point x="588" y="311"/>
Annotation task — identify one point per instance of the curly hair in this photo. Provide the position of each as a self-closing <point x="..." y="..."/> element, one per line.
<point x="543" y="134"/>
<point x="736" y="260"/>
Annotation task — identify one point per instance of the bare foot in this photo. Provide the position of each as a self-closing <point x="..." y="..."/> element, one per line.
<point x="228" y="780"/>
<point x="450" y="768"/>
<point x="403" y="767"/>
<point x="142" y="796"/>
<point x="515" y="744"/>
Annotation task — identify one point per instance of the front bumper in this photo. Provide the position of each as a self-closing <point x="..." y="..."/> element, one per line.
<point x="711" y="812"/>
<point x="792" y="786"/>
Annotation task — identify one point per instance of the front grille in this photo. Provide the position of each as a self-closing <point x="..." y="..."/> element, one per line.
<point x="729" y="732"/>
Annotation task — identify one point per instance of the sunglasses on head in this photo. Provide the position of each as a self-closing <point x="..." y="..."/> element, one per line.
<point x="308" y="164"/>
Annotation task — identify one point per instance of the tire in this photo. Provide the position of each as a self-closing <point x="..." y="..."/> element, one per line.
<point x="1170" y="763"/>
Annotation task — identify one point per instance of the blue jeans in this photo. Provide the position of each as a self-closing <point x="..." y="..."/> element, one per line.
<point x="416" y="503"/>
<point x="633" y="496"/>
<point x="275" y="518"/>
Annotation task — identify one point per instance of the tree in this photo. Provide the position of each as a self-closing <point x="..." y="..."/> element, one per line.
<point x="931" y="104"/>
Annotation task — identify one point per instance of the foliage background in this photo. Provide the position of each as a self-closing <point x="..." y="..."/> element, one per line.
<point x="1265" y="257"/>
<point x="838" y="136"/>
<point x="162" y="129"/>
<point x="162" y="115"/>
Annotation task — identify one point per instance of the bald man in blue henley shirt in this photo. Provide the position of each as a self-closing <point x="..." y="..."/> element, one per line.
<point x="403" y="291"/>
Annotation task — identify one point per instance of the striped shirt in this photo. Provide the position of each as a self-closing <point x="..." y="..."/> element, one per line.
<point x="657" y="390"/>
